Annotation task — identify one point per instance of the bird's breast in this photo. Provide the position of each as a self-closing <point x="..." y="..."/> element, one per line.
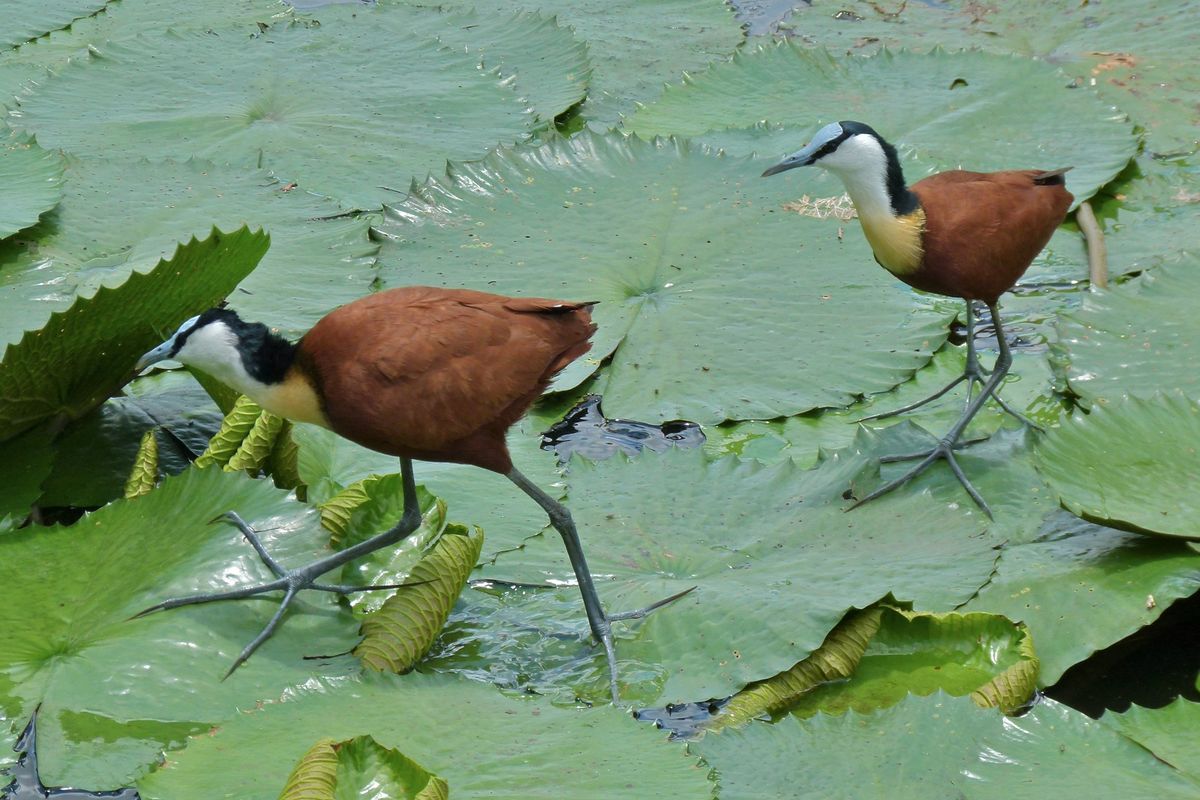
<point x="294" y="398"/>
<point x="896" y="240"/>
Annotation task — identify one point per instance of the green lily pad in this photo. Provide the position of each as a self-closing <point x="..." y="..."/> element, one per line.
<point x="1169" y="732"/>
<point x="548" y="64"/>
<point x="32" y="180"/>
<point x="934" y="106"/>
<point x="777" y="562"/>
<point x="118" y="218"/>
<point x="167" y="399"/>
<point x="1133" y="53"/>
<point x="1134" y="339"/>
<point x="62" y="633"/>
<point x="1065" y="754"/>
<point x="83" y="354"/>
<point x="27" y="461"/>
<point x="1118" y="582"/>
<point x="358" y="766"/>
<point x="635" y="45"/>
<point x="678" y="245"/>
<point x="982" y="655"/>
<point x="533" y="750"/>
<point x="914" y="750"/>
<point x="28" y="19"/>
<point x="1131" y="465"/>
<point x="279" y="100"/>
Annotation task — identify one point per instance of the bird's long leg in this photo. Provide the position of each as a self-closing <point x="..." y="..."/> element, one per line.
<point x="945" y="447"/>
<point x="600" y="622"/>
<point x="292" y="581"/>
<point x="973" y="373"/>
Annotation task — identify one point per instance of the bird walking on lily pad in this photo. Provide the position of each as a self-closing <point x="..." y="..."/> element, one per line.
<point x="957" y="233"/>
<point x="419" y="373"/>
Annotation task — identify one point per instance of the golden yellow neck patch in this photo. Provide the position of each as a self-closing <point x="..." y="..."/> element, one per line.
<point x="294" y="398"/>
<point x="896" y="241"/>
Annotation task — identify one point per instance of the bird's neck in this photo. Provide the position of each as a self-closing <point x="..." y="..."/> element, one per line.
<point x="267" y="371"/>
<point x="892" y="219"/>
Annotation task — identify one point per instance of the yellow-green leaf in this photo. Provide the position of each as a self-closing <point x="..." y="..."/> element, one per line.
<point x="315" y="775"/>
<point x="144" y="475"/>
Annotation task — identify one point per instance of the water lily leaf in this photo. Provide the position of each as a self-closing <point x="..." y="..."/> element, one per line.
<point x="166" y="400"/>
<point x="29" y="19"/>
<point x="144" y="475"/>
<point x="780" y="549"/>
<point x="1066" y="754"/>
<point x="63" y="632"/>
<point x="1116" y="581"/>
<point x="1132" y="52"/>
<point x="235" y="428"/>
<point x="370" y="507"/>
<point x="635" y="46"/>
<point x="360" y="765"/>
<point x="984" y="656"/>
<point x="473" y="496"/>
<point x="548" y="64"/>
<point x="1130" y="465"/>
<point x="117" y="218"/>
<point x="1168" y="732"/>
<point x="32" y="180"/>
<point x="676" y="244"/>
<point x="1133" y="339"/>
<point x="397" y="635"/>
<point x="26" y="461"/>
<point x="279" y="101"/>
<point x="914" y="750"/>
<point x="934" y="106"/>
<point x="83" y="354"/>
<point x="835" y="660"/>
<point x="535" y="750"/>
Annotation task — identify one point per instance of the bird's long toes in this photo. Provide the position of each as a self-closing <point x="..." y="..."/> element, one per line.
<point x="643" y="612"/>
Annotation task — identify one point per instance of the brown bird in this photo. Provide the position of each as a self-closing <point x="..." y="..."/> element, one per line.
<point x="961" y="234"/>
<point x="419" y="373"/>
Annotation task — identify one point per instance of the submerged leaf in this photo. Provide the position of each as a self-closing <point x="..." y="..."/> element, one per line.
<point x="83" y="354"/>
<point x="398" y="634"/>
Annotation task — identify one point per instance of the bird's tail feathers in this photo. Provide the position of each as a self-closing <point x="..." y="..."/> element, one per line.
<point x="1053" y="177"/>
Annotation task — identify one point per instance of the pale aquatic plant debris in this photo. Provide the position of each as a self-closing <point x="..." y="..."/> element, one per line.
<point x="823" y="207"/>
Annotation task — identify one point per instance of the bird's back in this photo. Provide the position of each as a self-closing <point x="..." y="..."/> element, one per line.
<point x="440" y="374"/>
<point x="983" y="229"/>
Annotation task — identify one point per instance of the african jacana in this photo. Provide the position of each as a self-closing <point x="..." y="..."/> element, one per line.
<point x="419" y="373"/>
<point x="957" y="233"/>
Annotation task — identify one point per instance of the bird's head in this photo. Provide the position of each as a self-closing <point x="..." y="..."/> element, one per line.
<point x="204" y="341"/>
<point x="841" y="147"/>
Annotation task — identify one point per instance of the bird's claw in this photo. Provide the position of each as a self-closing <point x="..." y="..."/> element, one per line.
<point x="943" y="450"/>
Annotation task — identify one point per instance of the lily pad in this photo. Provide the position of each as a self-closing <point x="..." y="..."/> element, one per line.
<point x="1168" y="732"/>
<point x="1134" y="339"/>
<point x="779" y="551"/>
<point x="359" y="766"/>
<point x="1132" y="52"/>
<point x="83" y="354"/>
<point x="32" y="180"/>
<point x="64" y="632"/>
<point x="118" y="218"/>
<point x="635" y="45"/>
<point x="28" y="19"/>
<point x="914" y="750"/>
<point x="279" y="100"/>
<point x="534" y="750"/>
<point x="1065" y="754"/>
<point x="681" y="248"/>
<point x="1130" y="465"/>
<point x="1117" y="581"/>
<point x="27" y="461"/>
<point x="934" y="106"/>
